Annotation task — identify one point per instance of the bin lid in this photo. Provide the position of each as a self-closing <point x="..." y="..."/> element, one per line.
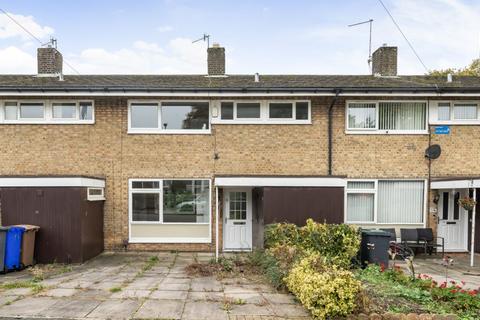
<point x="27" y="227"/>
<point x="3" y="228"/>
<point x="377" y="233"/>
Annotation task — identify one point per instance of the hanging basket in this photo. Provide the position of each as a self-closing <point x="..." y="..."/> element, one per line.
<point x="467" y="203"/>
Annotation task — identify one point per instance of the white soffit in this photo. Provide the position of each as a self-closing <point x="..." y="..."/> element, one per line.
<point x="455" y="184"/>
<point x="51" y="182"/>
<point x="279" y="182"/>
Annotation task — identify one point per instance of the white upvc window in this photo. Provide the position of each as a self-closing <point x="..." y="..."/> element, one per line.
<point x="386" y="117"/>
<point x="169" y="117"/>
<point x="95" y="194"/>
<point x="454" y="112"/>
<point x="385" y="202"/>
<point x="262" y="112"/>
<point x="169" y="201"/>
<point x="46" y="112"/>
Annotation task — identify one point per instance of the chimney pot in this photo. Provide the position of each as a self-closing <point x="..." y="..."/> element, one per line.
<point x="216" y="60"/>
<point x="49" y="61"/>
<point x="384" y="61"/>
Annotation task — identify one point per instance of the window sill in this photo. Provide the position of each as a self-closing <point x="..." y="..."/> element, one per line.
<point x="383" y="132"/>
<point x="387" y="223"/>
<point x="169" y="240"/>
<point x="456" y="123"/>
<point x="261" y="122"/>
<point x="46" y="122"/>
<point x="168" y="223"/>
<point x="146" y="131"/>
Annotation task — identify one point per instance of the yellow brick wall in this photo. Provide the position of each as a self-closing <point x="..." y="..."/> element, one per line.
<point x="106" y="150"/>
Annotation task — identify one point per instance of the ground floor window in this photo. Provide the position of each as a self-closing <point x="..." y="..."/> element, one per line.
<point x="169" y="210"/>
<point x="385" y="201"/>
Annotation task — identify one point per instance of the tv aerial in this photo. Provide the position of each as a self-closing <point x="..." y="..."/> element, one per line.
<point x="370" y="22"/>
<point x="205" y="37"/>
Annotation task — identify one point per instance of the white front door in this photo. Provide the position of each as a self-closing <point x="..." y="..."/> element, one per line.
<point x="237" y="219"/>
<point x="452" y="220"/>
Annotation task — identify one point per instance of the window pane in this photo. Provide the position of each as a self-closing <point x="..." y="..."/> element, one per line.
<point x="456" y="206"/>
<point x="402" y="115"/>
<point x="238" y="206"/>
<point x="145" y="207"/>
<point x="64" y="110"/>
<point x="227" y="110"/>
<point x="360" y="207"/>
<point x="302" y="111"/>
<point x="400" y="201"/>
<point x="281" y="110"/>
<point x="465" y="111"/>
<point x="361" y="185"/>
<point x="445" y="206"/>
<point x="362" y="115"/>
<point x="145" y="184"/>
<point x="31" y="110"/>
<point x="144" y="116"/>
<point x="11" y="110"/>
<point x="95" y="191"/>
<point x="443" y="111"/>
<point x="186" y="201"/>
<point x="185" y="115"/>
<point x="86" y="111"/>
<point x="248" y="110"/>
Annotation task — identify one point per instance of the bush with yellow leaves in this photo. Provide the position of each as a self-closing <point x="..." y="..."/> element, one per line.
<point x="325" y="290"/>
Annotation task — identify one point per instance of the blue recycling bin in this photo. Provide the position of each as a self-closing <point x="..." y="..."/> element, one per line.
<point x="13" y="248"/>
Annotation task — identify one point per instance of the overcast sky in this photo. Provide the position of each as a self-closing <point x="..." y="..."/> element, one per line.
<point x="269" y="37"/>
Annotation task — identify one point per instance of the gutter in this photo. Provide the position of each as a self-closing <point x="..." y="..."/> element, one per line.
<point x="330" y="131"/>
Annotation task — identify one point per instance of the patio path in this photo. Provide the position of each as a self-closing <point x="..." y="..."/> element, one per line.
<point x="459" y="271"/>
<point x="133" y="286"/>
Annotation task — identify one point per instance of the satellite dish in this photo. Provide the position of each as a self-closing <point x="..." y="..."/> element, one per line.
<point x="433" y="152"/>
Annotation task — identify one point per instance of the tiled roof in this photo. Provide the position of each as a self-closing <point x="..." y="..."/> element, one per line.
<point x="236" y="82"/>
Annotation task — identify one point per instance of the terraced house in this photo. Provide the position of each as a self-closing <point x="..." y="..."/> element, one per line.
<point x="204" y="162"/>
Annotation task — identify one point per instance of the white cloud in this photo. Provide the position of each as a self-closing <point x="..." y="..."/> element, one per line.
<point x="164" y="29"/>
<point x="9" y="29"/>
<point x="16" y="61"/>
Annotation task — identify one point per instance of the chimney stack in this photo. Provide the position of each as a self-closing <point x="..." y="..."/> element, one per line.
<point x="384" y="61"/>
<point x="216" y="60"/>
<point x="49" y="61"/>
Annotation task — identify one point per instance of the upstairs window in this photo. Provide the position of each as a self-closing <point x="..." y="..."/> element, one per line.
<point x="264" y="112"/>
<point x="386" y="117"/>
<point x="169" y="117"/>
<point x="46" y="112"/>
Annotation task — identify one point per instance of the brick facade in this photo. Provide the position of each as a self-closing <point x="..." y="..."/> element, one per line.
<point x="105" y="149"/>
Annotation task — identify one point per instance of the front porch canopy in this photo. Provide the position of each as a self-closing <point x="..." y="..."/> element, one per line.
<point x="285" y="181"/>
<point x="461" y="183"/>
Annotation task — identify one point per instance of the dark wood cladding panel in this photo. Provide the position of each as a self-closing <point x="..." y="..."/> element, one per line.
<point x="296" y="205"/>
<point x="67" y="227"/>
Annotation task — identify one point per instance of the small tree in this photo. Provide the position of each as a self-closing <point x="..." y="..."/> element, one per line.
<point x="473" y="69"/>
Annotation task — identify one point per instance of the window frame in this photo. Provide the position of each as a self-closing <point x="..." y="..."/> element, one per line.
<point x="95" y="197"/>
<point x="378" y="131"/>
<point x="47" y="112"/>
<point x="159" y="129"/>
<point x="159" y="191"/>
<point x="375" y="204"/>
<point x="264" y="112"/>
<point x="433" y="114"/>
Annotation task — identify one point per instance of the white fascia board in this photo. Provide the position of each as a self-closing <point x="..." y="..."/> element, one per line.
<point x="230" y="94"/>
<point x="455" y="184"/>
<point x="51" y="182"/>
<point x="279" y="182"/>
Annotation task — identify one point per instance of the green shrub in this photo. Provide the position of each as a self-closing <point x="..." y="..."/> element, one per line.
<point x="325" y="290"/>
<point x="281" y="233"/>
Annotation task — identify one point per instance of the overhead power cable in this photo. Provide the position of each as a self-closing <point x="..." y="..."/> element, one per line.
<point x="404" y="36"/>
<point x="35" y="37"/>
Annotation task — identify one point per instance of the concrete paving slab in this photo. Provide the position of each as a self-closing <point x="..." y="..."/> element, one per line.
<point x="107" y="285"/>
<point x="289" y="310"/>
<point x="116" y="309"/>
<point x="160" y="309"/>
<point x="251" y="310"/>
<point x="174" y="286"/>
<point x="207" y="284"/>
<point x="59" y="292"/>
<point x="251" y="297"/>
<point x="205" y="296"/>
<point x="176" y="281"/>
<point x="70" y="308"/>
<point x="233" y="288"/>
<point x="204" y="310"/>
<point x="75" y="284"/>
<point x="31" y="306"/>
<point x="279" y="298"/>
<point x="124" y="294"/>
<point x="165" y="294"/>
<point x="17" y="292"/>
<point x="93" y="294"/>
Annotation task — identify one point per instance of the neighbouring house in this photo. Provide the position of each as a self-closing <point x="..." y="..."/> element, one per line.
<point x="204" y="162"/>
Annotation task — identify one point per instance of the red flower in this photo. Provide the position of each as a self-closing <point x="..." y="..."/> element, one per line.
<point x="453" y="291"/>
<point x="452" y="282"/>
<point x="443" y="285"/>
